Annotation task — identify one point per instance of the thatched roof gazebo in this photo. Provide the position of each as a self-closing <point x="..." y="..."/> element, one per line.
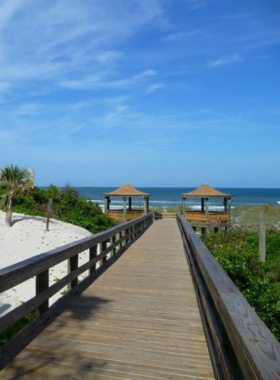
<point x="127" y="192"/>
<point x="204" y="216"/>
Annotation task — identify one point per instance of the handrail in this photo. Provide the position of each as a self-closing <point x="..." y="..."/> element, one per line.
<point x="240" y="344"/>
<point x="104" y="249"/>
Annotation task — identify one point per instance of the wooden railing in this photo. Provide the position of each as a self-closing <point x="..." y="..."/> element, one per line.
<point x="104" y="249"/>
<point x="240" y="344"/>
<point x="130" y="214"/>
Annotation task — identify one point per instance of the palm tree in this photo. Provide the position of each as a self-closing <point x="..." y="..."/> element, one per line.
<point x="15" y="181"/>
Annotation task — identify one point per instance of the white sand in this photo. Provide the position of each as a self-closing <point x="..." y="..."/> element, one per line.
<point x="27" y="238"/>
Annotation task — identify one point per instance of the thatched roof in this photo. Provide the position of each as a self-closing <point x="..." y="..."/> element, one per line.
<point x="206" y="191"/>
<point x="126" y="191"/>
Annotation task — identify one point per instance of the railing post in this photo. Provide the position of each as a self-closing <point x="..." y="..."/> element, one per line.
<point x="113" y="243"/>
<point x="127" y="235"/>
<point x="92" y="255"/>
<point x="103" y="247"/>
<point x="42" y="283"/>
<point x="121" y="236"/>
<point x="72" y="265"/>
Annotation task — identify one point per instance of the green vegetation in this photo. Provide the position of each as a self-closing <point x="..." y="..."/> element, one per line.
<point x="237" y="251"/>
<point x="249" y="216"/>
<point x="67" y="206"/>
<point x="14" y="181"/>
<point x="18" y="326"/>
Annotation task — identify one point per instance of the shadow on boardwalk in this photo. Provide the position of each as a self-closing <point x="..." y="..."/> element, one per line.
<point x="33" y="363"/>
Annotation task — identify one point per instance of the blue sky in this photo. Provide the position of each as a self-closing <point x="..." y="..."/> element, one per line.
<point x="147" y="92"/>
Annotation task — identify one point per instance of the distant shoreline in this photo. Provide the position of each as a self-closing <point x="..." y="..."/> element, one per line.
<point x="171" y="196"/>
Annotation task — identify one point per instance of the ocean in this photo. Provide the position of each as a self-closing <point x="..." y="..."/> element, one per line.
<point x="170" y="196"/>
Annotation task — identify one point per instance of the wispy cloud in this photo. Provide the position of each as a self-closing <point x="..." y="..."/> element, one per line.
<point x="62" y="39"/>
<point x="108" y="56"/>
<point x="225" y="60"/>
<point x="197" y="4"/>
<point x="155" y="87"/>
<point x="99" y="81"/>
<point x="186" y="35"/>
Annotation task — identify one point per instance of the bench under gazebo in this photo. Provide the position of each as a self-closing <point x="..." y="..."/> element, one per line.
<point x="126" y="192"/>
<point x="206" y="217"/>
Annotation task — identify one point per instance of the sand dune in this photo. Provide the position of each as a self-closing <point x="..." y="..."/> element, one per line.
<point x="27" y="238"/>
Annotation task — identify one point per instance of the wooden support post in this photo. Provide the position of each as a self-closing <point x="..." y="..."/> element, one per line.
<point x="103" y="247"/>
<point x="72" y="265"/>
<point x="184" y="207"/>
<point x="107" y="205"/>
<point x="118" y="236"/>
<point x="202" y="204"/>
<point x="42" y="283"/>
<point x="124" y="209"/>
<point x="146" y="205"/>
<point x="113" y="240"/>
<point x="127" y="236"/>
<point x="226" y="204"/>
<point x="49" y="211"/>
<point x="262" y="237"/>
<point x="129" y="203"/>
<point x="229" y="207"/>
<point x="206" y="209"/>
<point x="92" y="255"/>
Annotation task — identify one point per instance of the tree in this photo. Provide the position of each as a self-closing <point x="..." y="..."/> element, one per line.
<point x="15" y="181"/>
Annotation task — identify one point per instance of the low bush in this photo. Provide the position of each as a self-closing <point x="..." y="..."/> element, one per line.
<point x="237" y="251"/>
<point x="67" y="206"/>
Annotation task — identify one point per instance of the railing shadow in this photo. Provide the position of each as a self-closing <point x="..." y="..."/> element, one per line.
<point x="58" y="348"/>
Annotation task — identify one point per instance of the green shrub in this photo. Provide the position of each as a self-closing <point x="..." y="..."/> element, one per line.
<point x="237" y="251"/>
<point x="68" y="206"/>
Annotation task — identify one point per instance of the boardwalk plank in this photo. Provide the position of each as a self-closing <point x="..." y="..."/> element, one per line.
<point x="139" y="320"/>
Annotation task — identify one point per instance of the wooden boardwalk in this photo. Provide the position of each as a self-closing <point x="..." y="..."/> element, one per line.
<point x="139" y="320"/>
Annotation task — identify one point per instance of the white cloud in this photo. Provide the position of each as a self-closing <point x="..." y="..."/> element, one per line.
<point x="28" y="109"/>
<point x="60" y="41"/>
<point x="225" y="60"/>
<point x="197" y="4"/>
<point x="100" y="81"/>
<point x="155" y="87"/>
<point x="106" y="56"/>
<point x="183" y="36"/>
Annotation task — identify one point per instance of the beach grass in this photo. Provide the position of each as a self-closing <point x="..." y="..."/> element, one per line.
<point x="248" y="216"/>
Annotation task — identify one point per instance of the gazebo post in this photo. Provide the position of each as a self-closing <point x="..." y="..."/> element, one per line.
<point x="206" y="209"/>
<point x="226" y="204"/>
<point x="124" y="208"/>
<point x="229" y="207"/>
<point x="107" y="204"/>
<point x="202" y="205"/>
<point x="146" y="205"/>
<point x="184" y="206"/>
<point x="129" y="203"/>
